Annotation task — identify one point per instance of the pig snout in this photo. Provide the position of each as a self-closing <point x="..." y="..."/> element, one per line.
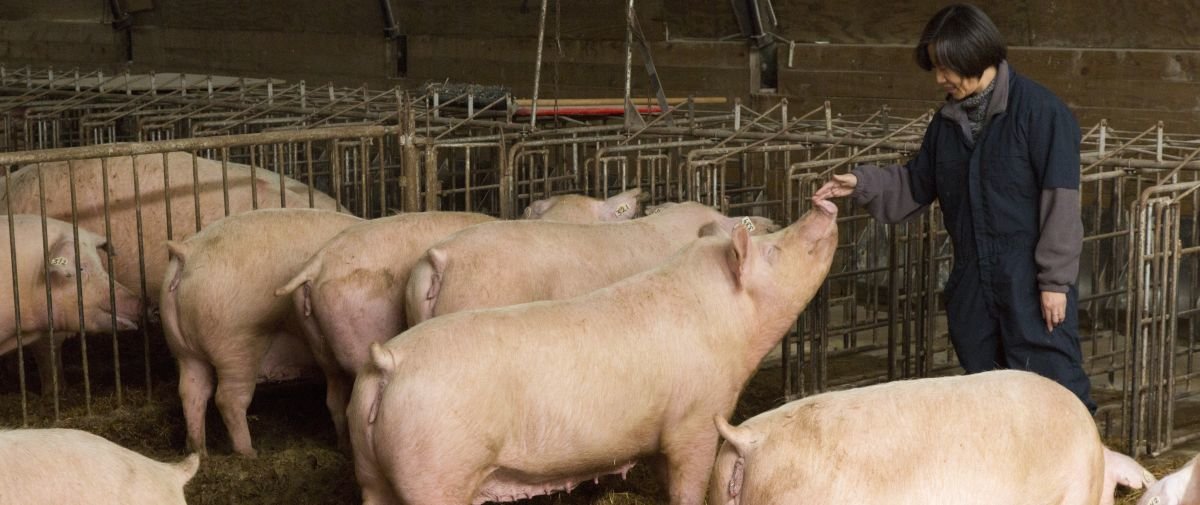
<point x="128" y="310"/>
<point x="820" y="223"/>
<point x="826" y="206"/>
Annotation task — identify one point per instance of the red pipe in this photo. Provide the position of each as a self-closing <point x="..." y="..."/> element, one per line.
<point x="586" y="110"/>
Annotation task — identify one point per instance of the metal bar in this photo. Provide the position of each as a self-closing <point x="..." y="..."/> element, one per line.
<point x="537" y="69"/>
<point x="12" y="252"/>
<point x="53" y="353"/>
<point x="87" y="383"/>
<point x="191" y="144"/>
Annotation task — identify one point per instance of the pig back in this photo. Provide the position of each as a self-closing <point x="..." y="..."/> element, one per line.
<point x="207" y="179"/>
<point x="506" y="263"/>
<point x="1009" y="436"/>
<point x="230" y="270"/>
<point x="51" y="466"/>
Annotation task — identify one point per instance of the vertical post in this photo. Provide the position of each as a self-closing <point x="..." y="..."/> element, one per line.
<point x="411" y="179"/>
<point x="628" y="60"/>
<point x="432" y="188"/>
<point x="537" y="69"/>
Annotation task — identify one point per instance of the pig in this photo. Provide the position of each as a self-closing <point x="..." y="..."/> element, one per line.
<point x="1179" y="488"/>
<point x="100" y="313"/>
<point x="584" y="209"/>
<point x="999" y="437"/>
<point x="54" y="466"/>
<point x="511" y="262"/>
<point x="23" y="195"/>
<point x="219" y="311"/>
<point x="351" y="292"/>
<point x="503" y="403"/>
<point x="147" y="209"/>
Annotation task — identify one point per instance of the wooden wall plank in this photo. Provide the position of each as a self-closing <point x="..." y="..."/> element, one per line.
<point x="684" y="67"/>
<point x="591" y="20"/>
<point x="871" y="22"/>
<point x="1134" y="86"/>
<point x="363" y="17"/>
<point x="702" y="20"/>
<point x="345" y="57"/>
<point x="56" y="10"/>
<point x="1115" y="24"/>
<point x="42" y="43"/>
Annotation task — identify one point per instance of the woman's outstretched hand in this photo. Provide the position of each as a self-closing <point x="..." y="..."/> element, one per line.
<point x="840" y="185"/>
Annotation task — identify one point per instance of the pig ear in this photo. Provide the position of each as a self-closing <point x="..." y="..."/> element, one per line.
<point x="62" y="263"/>
<point x="1194" y="483"/>
<point x="621" y="207"/>
<point x="383" y="359"/>
<point x="762" y="224"/>
<point x="713" y="229"/>
<point x="537" y="208"/>
<point x="106" y="248"/>
<point x="742" y="249"/>
<point x="742" y="439"/>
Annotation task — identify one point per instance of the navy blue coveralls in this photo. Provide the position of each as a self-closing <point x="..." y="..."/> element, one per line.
<point x="990" y="195"/>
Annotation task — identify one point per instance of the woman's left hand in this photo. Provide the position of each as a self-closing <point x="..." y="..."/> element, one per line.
<point x="1054" y="309"/>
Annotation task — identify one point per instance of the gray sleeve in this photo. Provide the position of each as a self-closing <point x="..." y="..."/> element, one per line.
<point x="1061" y="240"/>
<point x="886" y="193"/>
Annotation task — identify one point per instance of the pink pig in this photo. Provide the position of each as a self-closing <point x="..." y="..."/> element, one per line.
<point x="220" y="312"/>
<point x="56" y="466"/>
<point x="1001" y="437"/>
<point x="1179" y="488"/>
<point x="523" y="400"/>
<point x="585" y="209"/>
<point x="351" y="292"/>
<point x="100" y="314"/>
<point x="507" y="263"/>
<point x="140" y="223"/>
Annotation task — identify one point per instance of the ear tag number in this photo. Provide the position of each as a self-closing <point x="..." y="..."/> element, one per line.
<point x="747" y="223"/>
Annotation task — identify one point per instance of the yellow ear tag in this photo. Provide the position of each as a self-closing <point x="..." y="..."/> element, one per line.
<point x="747" y="223"/>
<point x="622" y="209"/>
<point x="59" y="261"/>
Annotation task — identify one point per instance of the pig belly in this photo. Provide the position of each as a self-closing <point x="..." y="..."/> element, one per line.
<point x="506" y="485"/>
<point x="288" y="358"/>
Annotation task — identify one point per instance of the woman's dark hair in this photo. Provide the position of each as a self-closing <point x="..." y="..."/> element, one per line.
<point x="964" y="40"/>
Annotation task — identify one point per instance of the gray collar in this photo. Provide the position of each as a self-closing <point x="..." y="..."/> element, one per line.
<point x="997" y="104"/>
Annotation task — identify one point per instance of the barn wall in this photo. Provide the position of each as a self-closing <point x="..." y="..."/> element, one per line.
<point x="1132" y="62"/>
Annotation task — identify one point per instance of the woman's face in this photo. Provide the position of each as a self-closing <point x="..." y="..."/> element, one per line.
<point x="956" y="85"/>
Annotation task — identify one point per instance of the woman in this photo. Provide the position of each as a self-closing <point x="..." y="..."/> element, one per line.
<point x="1002" y="158"/>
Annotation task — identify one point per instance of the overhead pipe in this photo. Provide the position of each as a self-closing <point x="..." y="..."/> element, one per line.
<point x="123" y="21"/>
<point x="391" y="29"/>
<point x="537" y="69"/>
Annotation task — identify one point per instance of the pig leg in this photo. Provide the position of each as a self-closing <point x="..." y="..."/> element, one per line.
<point x="689" y="450"/>
<point x="195" y="388"/>
<point x="235" y="389"/>
<point x="337" y="386"/>
<point x="375" y="489"/>
<point x="48" y="369"/>
<point x="337" y="395"/>
<point x="337" y="389"/>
